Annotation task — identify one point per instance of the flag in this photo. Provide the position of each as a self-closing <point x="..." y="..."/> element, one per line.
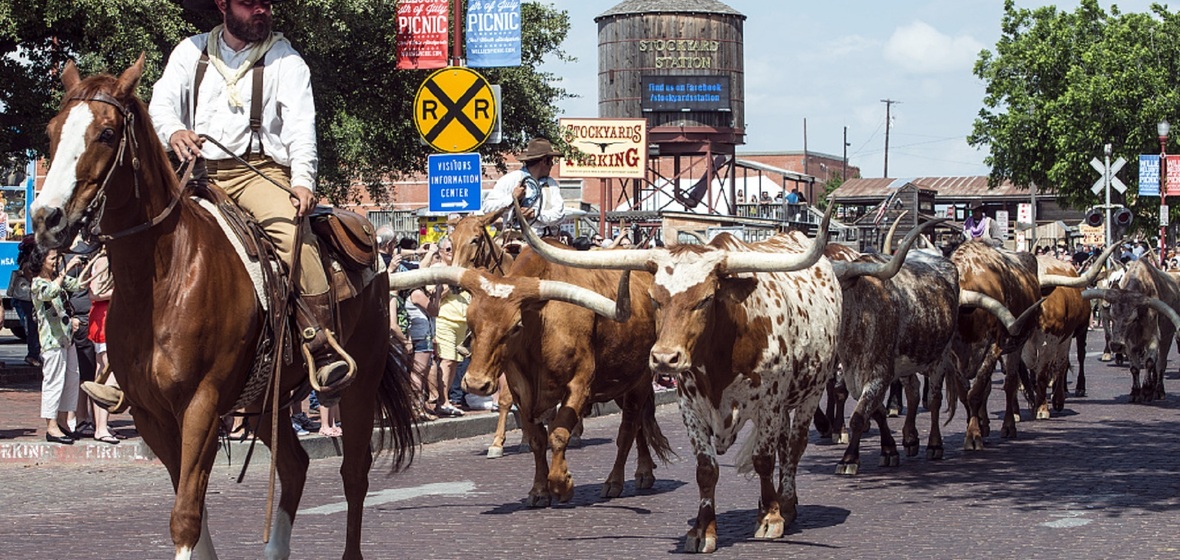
<point x="422" y="34"/>
<point x="493" y="33"/>
<point x="885" y="204"/>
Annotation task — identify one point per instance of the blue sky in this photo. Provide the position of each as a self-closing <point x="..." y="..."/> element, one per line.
<point x="832" y="63"/>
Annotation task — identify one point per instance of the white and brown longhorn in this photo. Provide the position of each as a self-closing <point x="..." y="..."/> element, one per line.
<point x="750" y="331"/>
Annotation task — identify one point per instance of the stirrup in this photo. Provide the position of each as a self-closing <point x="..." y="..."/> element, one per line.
<point x="111" y="398"/>
<point x="338" y="385"/>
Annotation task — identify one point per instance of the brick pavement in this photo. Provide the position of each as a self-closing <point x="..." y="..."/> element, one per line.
<point x="1099" y="480"/>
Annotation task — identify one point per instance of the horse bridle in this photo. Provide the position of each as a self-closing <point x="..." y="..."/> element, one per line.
<point x="94" y="211"/>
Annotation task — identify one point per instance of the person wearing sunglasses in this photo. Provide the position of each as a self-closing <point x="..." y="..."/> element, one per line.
<point x="538" y="194"/>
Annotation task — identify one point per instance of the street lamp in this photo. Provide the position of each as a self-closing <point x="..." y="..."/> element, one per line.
<point x="1162" y="128"/>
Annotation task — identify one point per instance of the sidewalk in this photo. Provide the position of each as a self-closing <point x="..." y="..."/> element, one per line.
<point x="22" y="432"/>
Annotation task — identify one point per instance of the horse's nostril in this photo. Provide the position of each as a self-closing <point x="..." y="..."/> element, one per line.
<point x="53" y="217"/>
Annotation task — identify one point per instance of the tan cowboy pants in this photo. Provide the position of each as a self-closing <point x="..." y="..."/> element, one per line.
<point x="271" y="206"/>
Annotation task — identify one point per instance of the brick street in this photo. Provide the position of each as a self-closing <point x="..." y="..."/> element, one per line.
<point x="1099" y="480"/>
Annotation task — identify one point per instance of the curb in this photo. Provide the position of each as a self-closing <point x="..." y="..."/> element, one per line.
<point x="18" y="373"/>
<point x="30" y="452"/>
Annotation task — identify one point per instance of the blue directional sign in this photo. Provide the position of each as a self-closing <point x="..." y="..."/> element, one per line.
<point x="1149" y="175"/>
<point x="455" y="181"/>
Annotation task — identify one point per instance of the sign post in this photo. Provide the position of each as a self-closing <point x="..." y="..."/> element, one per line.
<point x="1108" y="180"/>
<point x="455" y="110"/>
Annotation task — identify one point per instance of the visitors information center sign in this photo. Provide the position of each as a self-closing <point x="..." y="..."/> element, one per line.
<point x="455" y="182"/>
<point x="605" y="148"/>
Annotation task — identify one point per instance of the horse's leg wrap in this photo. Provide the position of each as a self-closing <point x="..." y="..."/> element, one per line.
<point x="330" y="368"/>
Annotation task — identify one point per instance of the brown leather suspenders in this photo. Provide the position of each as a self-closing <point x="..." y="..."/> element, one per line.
<point x="255" y="99"/>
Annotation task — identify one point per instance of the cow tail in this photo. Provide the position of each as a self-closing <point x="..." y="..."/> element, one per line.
<point x="954" y="390"/>
<point x="396" y="408"/>
<point x="651" y="432"/>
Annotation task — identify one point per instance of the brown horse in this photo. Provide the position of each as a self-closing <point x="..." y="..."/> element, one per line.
<point x="184" y="321"/>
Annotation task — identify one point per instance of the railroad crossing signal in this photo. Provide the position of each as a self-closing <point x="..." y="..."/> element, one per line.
<point x="1106" y="173"/>
<point x="455" y="110"/>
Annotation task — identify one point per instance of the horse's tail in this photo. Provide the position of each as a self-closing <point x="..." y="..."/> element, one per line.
<point x="651" y="431"/>
<point x="396" y="409"/>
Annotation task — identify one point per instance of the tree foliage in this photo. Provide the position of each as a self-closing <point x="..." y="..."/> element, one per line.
<point x="363" y="104"/>
<point x="1060" y="85"/>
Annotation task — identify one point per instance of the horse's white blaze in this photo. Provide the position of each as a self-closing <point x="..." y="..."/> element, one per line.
<point x="63" y="177"/>
<point x="279" y="547"/>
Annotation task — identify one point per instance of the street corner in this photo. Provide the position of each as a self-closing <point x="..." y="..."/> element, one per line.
<point x="34" y="452"/>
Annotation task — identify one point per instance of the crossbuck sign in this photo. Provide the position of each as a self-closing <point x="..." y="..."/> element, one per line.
<point x="1108" y="173"/>
<point x="455" y="110"/>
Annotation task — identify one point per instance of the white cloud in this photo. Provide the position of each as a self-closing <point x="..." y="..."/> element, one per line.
<point x="848" y="44"/>
<point x="921" y="49"/>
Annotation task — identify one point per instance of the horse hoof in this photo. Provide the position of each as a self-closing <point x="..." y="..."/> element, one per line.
<point x="644" y="481"/>
<point x="537" y="501"/>
<point x="611" y="489"/>
<point x="847" y="469"/>
<point x="769" y="529"/>
<point x="495" y="452"/>
<point x="695" y="543"/>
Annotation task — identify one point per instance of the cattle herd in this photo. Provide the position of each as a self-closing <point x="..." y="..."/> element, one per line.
<point x="757" y="332"/>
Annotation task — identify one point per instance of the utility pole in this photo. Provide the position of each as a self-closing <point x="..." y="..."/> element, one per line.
<point x="806" y="170"/>
<point x="844" y="173"/>
<point x="888" y="122"/>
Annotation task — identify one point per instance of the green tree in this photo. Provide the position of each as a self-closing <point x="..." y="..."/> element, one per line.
<point x="1060" y="85"/>
<point x="363" y="104"/>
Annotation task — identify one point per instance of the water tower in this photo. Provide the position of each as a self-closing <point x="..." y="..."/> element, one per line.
<point x="679" y="64"/>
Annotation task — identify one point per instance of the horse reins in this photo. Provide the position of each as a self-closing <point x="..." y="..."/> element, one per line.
<point x="97" y="207"/>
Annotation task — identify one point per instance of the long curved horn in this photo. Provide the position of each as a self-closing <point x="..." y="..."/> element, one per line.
<point x="926" y="243"/>
<point x="887" y="245"/>
<point x="1095" y="293"/>
<point x="1014" y="325"/>
<point x="618" y="309"/>
<point x="1051" y="280"/>
<point x="621" y="259"/>
<point x="755" y="261"/>
<point x="1159" y="305"/>
<point x="478" y="280"/>
<point x="847" y="270"/>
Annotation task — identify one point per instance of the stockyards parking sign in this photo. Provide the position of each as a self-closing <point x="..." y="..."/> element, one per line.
<point x="605" y="148"/>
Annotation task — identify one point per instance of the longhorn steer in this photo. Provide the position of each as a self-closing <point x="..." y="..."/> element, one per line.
<point x="743" y="346"/>
<point x="1142" y="323"/>
<point x="1064" y="317"/>
<point x="555" y="353"/>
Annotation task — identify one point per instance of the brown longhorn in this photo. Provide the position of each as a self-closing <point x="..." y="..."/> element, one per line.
<point x="643" y="259"/>
<point x="1081" y="281"/>
<point x="478" y="281"/>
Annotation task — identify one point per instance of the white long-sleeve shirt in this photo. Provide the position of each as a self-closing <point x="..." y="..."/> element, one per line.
<point x="288" y="109"/>
<point x="550" y="207"/>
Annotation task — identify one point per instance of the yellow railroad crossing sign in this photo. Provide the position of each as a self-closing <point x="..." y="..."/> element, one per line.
<point x="455" y="110"/>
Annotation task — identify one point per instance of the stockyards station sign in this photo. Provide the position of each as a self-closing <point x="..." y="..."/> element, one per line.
<point x="605" y="148"/>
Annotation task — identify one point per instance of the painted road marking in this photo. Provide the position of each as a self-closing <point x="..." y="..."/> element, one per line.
<point x="397" y="495"/>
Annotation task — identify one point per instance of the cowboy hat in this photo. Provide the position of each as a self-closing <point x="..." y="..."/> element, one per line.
<point x="537" y="148"/>
<point x="204" y="5"/>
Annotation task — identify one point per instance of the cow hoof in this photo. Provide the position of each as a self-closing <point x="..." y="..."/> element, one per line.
<point x="894" y="412"/>
<point x="562" y="489"/>
<point x="892" y="460"/>
<point x="1008" y="432"/>
<point x="1106" y="357"/>
<point x="911" y="450"/>
<point x="644" y="481"/>
<point x="612" y="489"/>
<point x="495" y="452"/>
<point x="933" y="453"/>
<point x="973" y="443"/>
<point x="848" y="469"/>
<point x="537" y="501"/>
<point x="1043" y="414"/>
<point x="696" y="543"/>
<point x="770" y="528"/>
<point x="1079" y="393"/>
<point x="843" y="438"/>
<point x="575" y="442"/>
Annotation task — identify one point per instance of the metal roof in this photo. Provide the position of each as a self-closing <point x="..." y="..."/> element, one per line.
<point x="669" y="6"/>
<point x="785" y="173"/>
<point x="946" y="187"/>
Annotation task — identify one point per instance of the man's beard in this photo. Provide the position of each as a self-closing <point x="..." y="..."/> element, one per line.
<point x="251" y="30"/>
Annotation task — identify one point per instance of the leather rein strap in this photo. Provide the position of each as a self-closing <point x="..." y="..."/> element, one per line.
<point x="98" y="205"/>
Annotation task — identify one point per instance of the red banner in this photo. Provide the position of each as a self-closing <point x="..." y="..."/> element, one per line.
<point x="422" y="34"/>
<point x="1173" y="180"/>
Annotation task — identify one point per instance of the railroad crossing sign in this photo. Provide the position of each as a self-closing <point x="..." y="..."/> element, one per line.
<point x="455" y="110"/>
<point x="1108" y="174"/>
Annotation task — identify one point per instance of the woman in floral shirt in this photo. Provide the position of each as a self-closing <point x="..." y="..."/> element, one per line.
<point x="59" y="384"/>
